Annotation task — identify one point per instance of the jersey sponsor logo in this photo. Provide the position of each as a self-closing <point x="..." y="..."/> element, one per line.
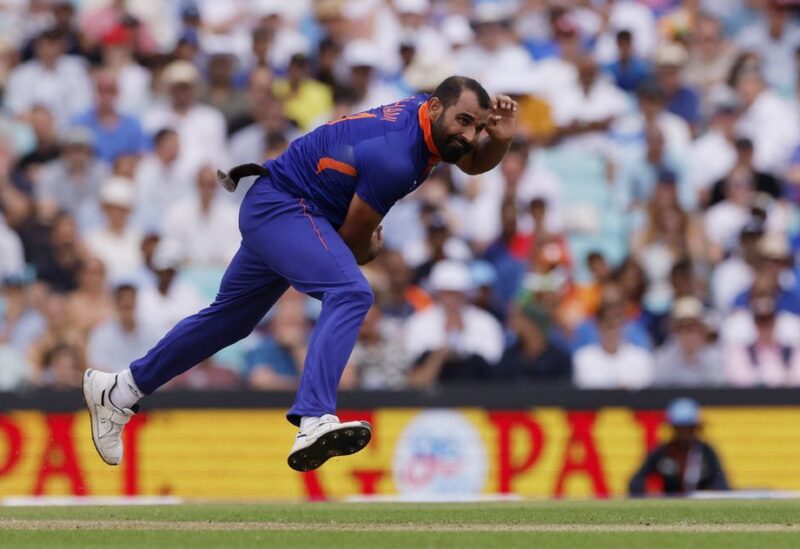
<point x="392" y="112"/>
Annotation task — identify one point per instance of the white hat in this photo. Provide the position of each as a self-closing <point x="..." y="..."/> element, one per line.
<point x="419" y="7"/>
<point x="492" y="12"/>
<point x="671" y="54"/>
<point x="774" y="246"/>
<point x="687" y="308"/>
<point x="118" y="191"/>
<point x="167" y="255"/>
<point x="427" y="70"/>
<point x="264" y="8"/>
<point x="457" y="31"/>
<point x="361" y="53"/>
<point x="450" y="275"/>
<point x="180" y="72"/>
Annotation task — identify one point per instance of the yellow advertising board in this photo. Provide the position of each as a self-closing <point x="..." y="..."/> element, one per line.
<point x="225" y="454"/>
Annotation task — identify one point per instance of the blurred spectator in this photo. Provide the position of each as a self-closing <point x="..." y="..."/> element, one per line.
<point x="200" y="128"/>
<point x="113" y="133"/>
<point x="613" y="363"/>
<point x="306" y="101"/>
<point x="160" y="183"/>
<point x="11" y="257"/>
<point x="402" y="297"/>
<point x="47" y="148"/>
<point x="766" y="361"/>
<point x="687" y="359"/>
<point x="585" y="111"/>
<point x="116" y="243"/>
<point x="363" y="60"/>
<point x="769" y="121"/>
<point x="220" y="93"/>
<point x="629" y="70"/>
<point x="379" y="360"/>
<point x="743" y="166"/>
<point x="72" y="183"/>
<point x="57" y="356"/>
<point x="686" y="463"/>
<point x="533" y="356"/>
<point x="734" y="275"/>
<point x="204" y="225"/>
<point x="712" y="156"/>
<point x="438" y="245"/>
<point x="171" y="298"/>
<point x="775" y="277"/>
<point x="276" y="362"/>
<point x="670" y="59"/>
<point x="774" y="37"/>
<point x="90" y="304"/>
<point x="613" y="297"/>
<point x="120" y="340"/>
<point x="133" y="80"/>
<point x="711" y="55"/>
<point x="451" y="340"/>
<point x="51" y="79"/>
<point x="56" y="251"/>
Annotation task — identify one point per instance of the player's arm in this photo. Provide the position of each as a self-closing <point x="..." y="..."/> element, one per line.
<point x="361" y="231"/>
<point x="491" y="149"/>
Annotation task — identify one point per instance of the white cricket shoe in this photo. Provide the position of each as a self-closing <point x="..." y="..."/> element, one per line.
<point x="329" y="438"/>
<point x="107" y="420"/>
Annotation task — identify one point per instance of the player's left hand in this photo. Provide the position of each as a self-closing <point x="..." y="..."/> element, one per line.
<point x="502" y="118"/>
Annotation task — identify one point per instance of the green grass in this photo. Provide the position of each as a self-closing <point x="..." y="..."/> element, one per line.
<point x="675" y="524"/>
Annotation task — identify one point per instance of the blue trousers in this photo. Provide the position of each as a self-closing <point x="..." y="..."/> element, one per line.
<point x="284" y="242"/>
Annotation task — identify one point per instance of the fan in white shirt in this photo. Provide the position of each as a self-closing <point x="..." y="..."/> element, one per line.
<point x="117" y="243"/>
<point x="204" y="225"/>
<point x="54" y="80"/>
<point x="768" y="120"/>
<point x="160" y="183"/>
<point x="200" y="128"/>
<point x="613" y="363"/>
<point x="448" y="338"/>
<point x="171" y="299"/>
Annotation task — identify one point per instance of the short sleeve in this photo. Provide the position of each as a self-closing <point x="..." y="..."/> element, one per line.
<point x="385" y="174"/>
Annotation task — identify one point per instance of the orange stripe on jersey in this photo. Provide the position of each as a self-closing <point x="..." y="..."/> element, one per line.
<point x="328" y="163"/>
<point x="358" y="116"/>
<point x="425" y="124"/>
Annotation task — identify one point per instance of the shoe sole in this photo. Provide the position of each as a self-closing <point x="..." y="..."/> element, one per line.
<point x="341" y="442"/>
<point x="92" y="419"/>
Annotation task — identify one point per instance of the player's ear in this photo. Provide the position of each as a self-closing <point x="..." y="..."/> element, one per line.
<point x="435" y="108"/>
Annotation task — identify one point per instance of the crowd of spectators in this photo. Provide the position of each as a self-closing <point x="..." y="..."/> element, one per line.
<point x="640" y="232"/>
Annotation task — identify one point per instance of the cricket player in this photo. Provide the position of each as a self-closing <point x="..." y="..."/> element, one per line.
<point x="309" y="220"/>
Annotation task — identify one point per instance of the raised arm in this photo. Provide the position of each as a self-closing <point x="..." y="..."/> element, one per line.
<point x="491" y="149"/>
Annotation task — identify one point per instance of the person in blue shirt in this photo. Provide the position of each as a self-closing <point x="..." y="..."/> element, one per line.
<point x="115" y="134"/>
<point x="629" y="71"/>
<point x="310" y="219"/>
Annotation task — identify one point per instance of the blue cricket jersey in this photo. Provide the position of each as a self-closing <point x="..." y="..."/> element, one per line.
<point x="381" y="154"/>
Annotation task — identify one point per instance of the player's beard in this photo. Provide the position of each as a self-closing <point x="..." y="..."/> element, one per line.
<point x="451" y="147"/>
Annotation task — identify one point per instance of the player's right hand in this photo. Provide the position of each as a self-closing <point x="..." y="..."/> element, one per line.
<point x="376" y="244"/>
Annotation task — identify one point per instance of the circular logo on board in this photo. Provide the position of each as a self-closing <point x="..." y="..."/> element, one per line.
<point x="439" y="454"/>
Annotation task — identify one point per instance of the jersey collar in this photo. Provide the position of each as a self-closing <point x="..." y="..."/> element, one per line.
<point x="425" y="124"/>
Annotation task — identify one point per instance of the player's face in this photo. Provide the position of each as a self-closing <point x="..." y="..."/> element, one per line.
<point x="456" y="129"/>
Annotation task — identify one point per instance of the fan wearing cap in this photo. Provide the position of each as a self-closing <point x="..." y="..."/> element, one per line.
<point x="734" y="275"/>
<point x="308" y="221"/>
<point x="670" y="59"/>
<point x="201" y="128"/>
<point x="116" y="243"/>
<point x="687" y="359"/>
<point x="452" y="340"/>
<point x="685" y="463"/>
<point x="766" y="361"/>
